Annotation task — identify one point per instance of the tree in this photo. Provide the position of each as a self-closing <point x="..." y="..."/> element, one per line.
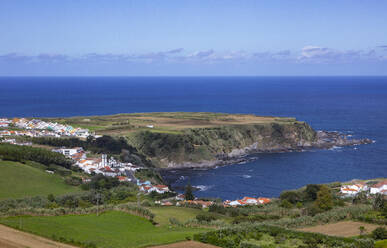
<point x="311" y="192"/>
<point x="291" y="196"/>
<point x="324" y="199"/>
<point x="188" y="195"/>
<point x="286" y="204"/>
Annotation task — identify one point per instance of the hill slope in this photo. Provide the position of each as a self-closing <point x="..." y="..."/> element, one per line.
<point x="195" y="139"/>
<point x="19" y="180"/>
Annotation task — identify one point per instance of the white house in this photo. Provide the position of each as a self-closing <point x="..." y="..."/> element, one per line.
<point x="250" y="200"/>
<point x="161" y="189"/>
<point x="353" y="189"/>
<point x="69" y="151"/>
<point x="234" y="203"/>
<point x="379" y="188"/>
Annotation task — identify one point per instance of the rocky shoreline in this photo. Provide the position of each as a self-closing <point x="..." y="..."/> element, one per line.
<point x="324" y="140"/>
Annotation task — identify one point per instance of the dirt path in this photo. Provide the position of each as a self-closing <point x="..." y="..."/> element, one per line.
<point x="11" y="238"/>
<point x="186" y="244"/>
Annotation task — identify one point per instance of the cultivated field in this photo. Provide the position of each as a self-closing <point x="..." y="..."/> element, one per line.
<point x="163" y="122"/>
<point x="342" y="228"/>
<point x="20" y="180"/>
<point x="111" y="229"/>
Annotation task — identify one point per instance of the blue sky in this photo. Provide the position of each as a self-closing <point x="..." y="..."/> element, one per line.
<point x="167" y="37"/>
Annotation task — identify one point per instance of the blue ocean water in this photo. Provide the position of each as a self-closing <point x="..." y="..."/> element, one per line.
<point x="354" y="105"/>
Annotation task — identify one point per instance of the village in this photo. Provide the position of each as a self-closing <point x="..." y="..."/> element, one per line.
<point x="125" y="172"/>
<point x="105" y="165"/>
<point x="39" y="128"/>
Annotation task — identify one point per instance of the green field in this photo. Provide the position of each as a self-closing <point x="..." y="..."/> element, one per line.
<point x="111" y="229"/>
<point x="18" y="180"/>
<point x="181" y="214"/>
<point x="163" y="122"/>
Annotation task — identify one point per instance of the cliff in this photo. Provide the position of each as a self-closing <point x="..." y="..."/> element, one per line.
<point x="200" y="139"/>
<point x="203" y="147"/>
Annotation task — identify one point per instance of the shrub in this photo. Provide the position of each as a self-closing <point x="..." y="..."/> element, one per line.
<point x="291" y="196"/>
<point x="324" y="199"/>
<point x="379" y="233"/>
<point x="205" y="217"/>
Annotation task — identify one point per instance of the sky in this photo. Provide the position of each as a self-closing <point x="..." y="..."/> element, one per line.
<point x="193" y="38"/>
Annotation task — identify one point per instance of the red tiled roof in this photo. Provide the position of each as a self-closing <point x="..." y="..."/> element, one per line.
<point x="380" y="184"/>
<point x="264" y="200"/>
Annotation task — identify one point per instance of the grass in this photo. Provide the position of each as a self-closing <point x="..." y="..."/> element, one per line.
<point x="19" y="180"/>
<point x="111" y="229"/>
<point x="381" y="244"/>
<point x="166" y="122"/>
<point x="342" y="228"/>
<point x="181" y="214"/>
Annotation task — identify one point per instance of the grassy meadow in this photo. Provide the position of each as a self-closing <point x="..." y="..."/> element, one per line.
<point x="165" y="122"/>
<point x="162" y="214"/>
<point x="21" y="180"/>
<point x="110" y="229"/>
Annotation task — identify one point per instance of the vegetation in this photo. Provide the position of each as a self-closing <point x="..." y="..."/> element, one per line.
<point x="110" y="229"/>
<point x="379" y="233"/>
<point x="86" y="199"/>
<point x="19" y="180"/>
<point x="23" y="153"/>
<point x="187" y="137"/>
<point x="164" y="214"/>
<point x="188" y="195"/>
<point x="104" y="144"/>
<point x="324" y="199"/>
<point x="233" y="237"/>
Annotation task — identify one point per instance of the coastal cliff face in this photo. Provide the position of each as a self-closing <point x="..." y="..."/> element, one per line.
<point x="206" y="147"/>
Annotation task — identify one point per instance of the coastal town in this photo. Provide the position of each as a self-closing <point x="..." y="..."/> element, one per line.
<point x="105" y="164"/>
<point x="39" y="128"/>
<point x="104" y="168"/>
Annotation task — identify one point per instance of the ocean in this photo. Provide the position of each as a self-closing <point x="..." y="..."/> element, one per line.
<point x="352" y="105"/>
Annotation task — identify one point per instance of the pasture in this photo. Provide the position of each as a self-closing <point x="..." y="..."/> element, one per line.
<point x="165" y="122"/>
<point x="21" y="180"/>
<point x="110" y="229"/>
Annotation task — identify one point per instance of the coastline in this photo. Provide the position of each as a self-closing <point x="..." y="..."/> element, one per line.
<point x="325" y="140"/>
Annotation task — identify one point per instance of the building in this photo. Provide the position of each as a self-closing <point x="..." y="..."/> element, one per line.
<point x="379" y="188"/>
<point x="245" y="201"/>
<point x="69" y="151"/>
<point x="353" y="189"/>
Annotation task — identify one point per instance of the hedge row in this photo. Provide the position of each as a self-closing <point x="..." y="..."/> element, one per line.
<point x="233" y="237"/>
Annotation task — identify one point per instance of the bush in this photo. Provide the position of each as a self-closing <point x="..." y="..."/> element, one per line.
<point x="379" y="233"/>
<point x="205" y="217"/>
<point x="286" y="204"/>
<point x="291" y="196"/>
<point x="324" y="199"/>
<point x="233" y="237"/>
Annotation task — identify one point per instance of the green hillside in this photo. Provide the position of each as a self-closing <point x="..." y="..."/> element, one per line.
<point x="19" y="180"/>
<point x="111" y="229"/>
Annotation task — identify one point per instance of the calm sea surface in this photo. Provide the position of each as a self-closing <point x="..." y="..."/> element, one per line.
<point x="354" y="105"/>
